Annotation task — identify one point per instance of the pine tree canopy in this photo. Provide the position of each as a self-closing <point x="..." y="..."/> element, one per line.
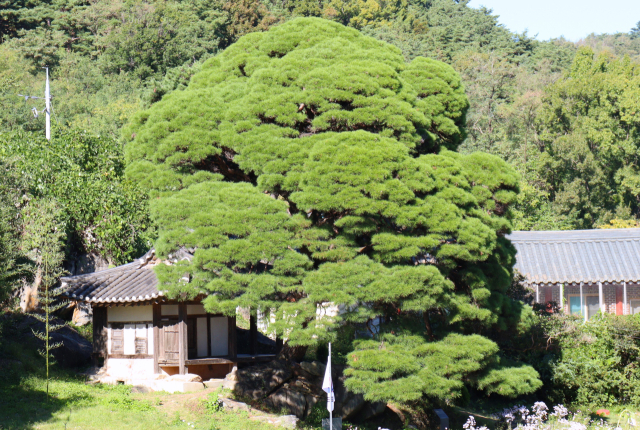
<point x="310" y="166"/>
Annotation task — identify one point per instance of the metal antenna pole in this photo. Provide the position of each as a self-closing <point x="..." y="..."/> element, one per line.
<point x="47" y="98"/>
<point x="47" y="109"/>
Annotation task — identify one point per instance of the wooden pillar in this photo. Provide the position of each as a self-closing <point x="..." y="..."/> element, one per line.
<point x="232" y="341"/>
<point x="583" y="305"/>
<point x="619" y="305"/>
<point x="182" y="337"/>
<point x="600" y="297"/>
<point x="100" y="336"/>
<point x="156" y="338"/>
<point x="537" y="294"/>
<point x="561" y="287"/>
<point x="253" y="335"/>
<point x="625" y="310"/>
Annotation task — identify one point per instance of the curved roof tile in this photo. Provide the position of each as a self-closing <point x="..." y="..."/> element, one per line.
<point x="589" y="256"/>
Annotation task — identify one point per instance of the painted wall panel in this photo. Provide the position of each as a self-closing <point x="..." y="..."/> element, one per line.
<point x="195" y="310"/>
<point x="130" y="313"/>
<point x="203" y="346"/>
<point x="169" y="309"/>
<point x="219" y="336"/>
<point x="129" y="339"/>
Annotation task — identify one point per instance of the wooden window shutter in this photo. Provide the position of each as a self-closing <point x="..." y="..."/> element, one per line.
<point x="117" y="338"/>
<point x="141" y="339"/>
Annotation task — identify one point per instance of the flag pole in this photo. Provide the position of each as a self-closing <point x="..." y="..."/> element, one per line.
<point x="330" y="410"/>
<point x="327" y="387"/>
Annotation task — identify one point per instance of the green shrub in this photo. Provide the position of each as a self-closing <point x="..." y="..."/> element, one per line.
<point x="594" y="363"/>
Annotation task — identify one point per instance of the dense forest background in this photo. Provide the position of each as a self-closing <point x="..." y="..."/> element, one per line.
<point x="566" y="115"/>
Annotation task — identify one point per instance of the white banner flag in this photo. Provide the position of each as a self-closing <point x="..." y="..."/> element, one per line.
<point x="327" y="384"/>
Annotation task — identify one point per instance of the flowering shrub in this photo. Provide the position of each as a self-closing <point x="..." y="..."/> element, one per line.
<point x="539" y="418"/>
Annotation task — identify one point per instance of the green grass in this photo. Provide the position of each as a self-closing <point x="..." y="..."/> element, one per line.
<point x="76" y="405"/>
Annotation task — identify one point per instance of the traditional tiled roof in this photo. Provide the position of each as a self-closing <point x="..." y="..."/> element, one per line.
<point x="589" y="256"/>
<point x="133" y="282"/>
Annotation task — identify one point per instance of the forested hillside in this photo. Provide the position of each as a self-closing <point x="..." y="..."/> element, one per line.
<point x="564" y="114"/>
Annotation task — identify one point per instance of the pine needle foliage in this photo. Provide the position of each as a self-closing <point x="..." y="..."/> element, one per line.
<point x="311" y="166"/>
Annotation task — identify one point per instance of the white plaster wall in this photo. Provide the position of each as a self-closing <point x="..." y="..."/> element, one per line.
<point x="219" y="336"/>
<point x="130" y="368"/>
<point x="150" y="338"/>
<point x="130" y="313"/>
<point x="203" y="346"/>
<point x="195" y="310"/>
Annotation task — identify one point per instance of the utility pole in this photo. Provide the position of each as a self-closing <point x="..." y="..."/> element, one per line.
<point x="47" y="100"/>
<point x="47" y="109"/>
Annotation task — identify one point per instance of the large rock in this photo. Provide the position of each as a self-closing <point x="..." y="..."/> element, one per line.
<point x="234" y="405"/>
<point x="82" y="314"/>
<point x="347" y="403"/>
<point x="297" y="396"/>
<point x="187" y="377"/>
<point x="370" y="410"/>
<point x="257" y="382"/>
<point x="298" y="388"/>
<point x="87" y="263"/>
<point x="285" y="421"/>
<point x="75" y="350"/>
<point x="290" y="398"/>
<point x="314" y="368"/>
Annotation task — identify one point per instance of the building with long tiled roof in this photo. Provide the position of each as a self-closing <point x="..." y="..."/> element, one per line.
<point x="583" y="271"/>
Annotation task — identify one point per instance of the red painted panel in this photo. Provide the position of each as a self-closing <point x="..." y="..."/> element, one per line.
<point x="619" y="310"/>
<point x="548" y="294"/>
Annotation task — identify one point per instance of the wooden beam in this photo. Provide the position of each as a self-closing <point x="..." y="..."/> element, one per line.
<point x="130" y="356"/>
<point x="182" y="337"/>
<point x="156" y="338"/>
<point x="253" y="335"/>
<point x="232" y="341"/>
<point x="208" y="361"/>
<point x="255" y="359"/>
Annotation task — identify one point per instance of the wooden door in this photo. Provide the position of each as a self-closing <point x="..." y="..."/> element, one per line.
<point x="169" y="349"/>
<point x="192" y="340"/>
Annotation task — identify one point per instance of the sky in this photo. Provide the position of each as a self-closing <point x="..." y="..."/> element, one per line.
<point x="573" y="19"/>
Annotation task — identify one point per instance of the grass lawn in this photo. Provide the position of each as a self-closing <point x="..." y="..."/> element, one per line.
<point x="74" y="405"/>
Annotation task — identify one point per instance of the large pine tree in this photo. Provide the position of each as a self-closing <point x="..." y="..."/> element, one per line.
<point x="310" y="165"/>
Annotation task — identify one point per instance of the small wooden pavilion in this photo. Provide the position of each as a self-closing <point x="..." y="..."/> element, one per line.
<point x="138" y="332"/>
<point x="583" y="271"/>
